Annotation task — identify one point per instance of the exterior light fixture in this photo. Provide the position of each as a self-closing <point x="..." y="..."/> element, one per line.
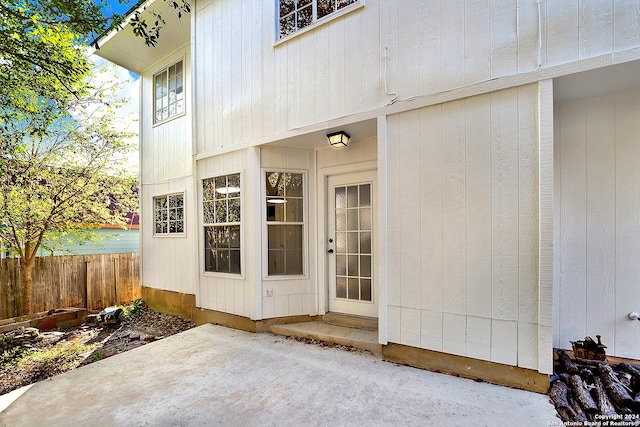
<point x="338" y="139"/>
<point x="228" y="190"/>
<point x="276" y="201"/>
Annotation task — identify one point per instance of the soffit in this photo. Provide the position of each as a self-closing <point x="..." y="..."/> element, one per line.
<point x="122" y="47"/>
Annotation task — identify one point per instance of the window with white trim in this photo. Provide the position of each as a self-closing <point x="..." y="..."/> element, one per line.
<point x="168" y="214"/>
<point x="168" y="95"/>
<point x="285" y="223"/>
<point x="297" y="14"/>
<point x="221" y="216"/>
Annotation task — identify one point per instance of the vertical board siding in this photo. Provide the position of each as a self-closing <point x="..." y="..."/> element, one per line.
<point x="90" y="281"/>
<point x="166" y="147"/>
<point x="478" y="207"/>
<point x="252" y="87"/>
<point x="598" y="156"/>
<point x="477" y="162"/>
<point x="294" y="295"/>
<point x="222" y="292"/>
<point x="169" y="262"/>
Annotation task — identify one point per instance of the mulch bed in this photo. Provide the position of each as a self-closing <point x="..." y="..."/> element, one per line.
<point x="27" y="356"/>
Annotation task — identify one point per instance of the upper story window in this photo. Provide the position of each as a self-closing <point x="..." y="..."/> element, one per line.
<point x="169" y="214"/>
<point x="168" y="95"/>
<point x="297" y="14"/>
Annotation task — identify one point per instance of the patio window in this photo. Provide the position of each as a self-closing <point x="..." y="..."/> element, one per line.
<point x="285" y="223"/>
<point x="221" y="217"/>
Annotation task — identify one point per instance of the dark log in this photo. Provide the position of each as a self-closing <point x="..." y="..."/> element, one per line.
<point x="605" y="406"/>
<point x="627" y="367"/>
<point x="632" y="370"/>
<point x="577" y="409"/>
<point x="617" y="391"/>
<point x="558" y="393"/>
<point x="568" y="364"/>
<point x="582" y="394"/>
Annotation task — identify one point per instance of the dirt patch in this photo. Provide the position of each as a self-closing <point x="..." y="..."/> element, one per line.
<point x="60" y="351"/>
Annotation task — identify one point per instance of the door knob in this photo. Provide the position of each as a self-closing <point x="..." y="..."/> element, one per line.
<point x="330" y="251"/>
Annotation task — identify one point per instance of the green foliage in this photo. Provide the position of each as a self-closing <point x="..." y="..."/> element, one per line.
<point x="59" y="358"/>
<point x="132" y="310"/>
<point x="13" y="355"/>
<point x="67" y="172"/>
<point x="43" y="46"/>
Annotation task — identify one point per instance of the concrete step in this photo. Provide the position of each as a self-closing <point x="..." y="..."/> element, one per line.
<point x="341" y="335"/>
<point x="351" y="321"/>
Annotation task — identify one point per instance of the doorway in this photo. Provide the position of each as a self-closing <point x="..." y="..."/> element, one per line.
<point x="351" y="218"/>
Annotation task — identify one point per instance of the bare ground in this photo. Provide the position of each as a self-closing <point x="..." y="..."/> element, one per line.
<point x="61" y="351"/>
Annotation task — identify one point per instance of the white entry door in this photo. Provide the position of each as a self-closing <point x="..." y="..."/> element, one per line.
<point x="351" y="220"/>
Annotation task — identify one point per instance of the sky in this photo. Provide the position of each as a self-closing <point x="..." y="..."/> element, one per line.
<point x="130" y="87"/>
<point x="129" y="90"/>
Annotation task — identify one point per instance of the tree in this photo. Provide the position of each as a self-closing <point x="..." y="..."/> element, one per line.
<point x="43" y="45"/>
<point x="66" y="174"/>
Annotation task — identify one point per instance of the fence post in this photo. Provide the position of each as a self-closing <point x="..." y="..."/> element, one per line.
<point x="88" y="276"/>
<point x="116" y="279"/>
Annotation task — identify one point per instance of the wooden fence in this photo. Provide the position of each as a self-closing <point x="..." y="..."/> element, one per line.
<point x="91" y="281"/>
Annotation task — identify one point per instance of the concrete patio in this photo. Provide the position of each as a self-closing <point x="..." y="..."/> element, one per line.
<point x="213" y="375"/>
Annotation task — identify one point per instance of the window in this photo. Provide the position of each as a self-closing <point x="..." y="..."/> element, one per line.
<point x="168" y="96"/>
<point x="169" y="214"/>
<point x="221" y="214"/>
<point x="285" y="223"/>
<point x="297" y="14"/>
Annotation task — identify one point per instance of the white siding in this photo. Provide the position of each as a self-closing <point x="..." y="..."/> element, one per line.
<point x="231" y="293"/>
<point x="250" y="87"/>
<point x="598" y="203"/>
<point x="168" y="263"/>
<point x="166" y="147"/>
<point x="291" y="295"/>
<point x="463" y="176"/>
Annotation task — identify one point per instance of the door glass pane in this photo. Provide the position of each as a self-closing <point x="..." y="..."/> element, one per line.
<point x="353" y="223"/>
<point x="354" y="288"/>
<point x="365" y="195"/>
<point x="341" y="198"/>
<point x="365" y="266"/>
<point x="341" y="219"/>
<point x="352" y="196"/>
<point x="352" y="243"/>
<point x="365" y="289"/>
<point x="341" y="243"/>
<point x="341" y="287"/>
<point x="341" y="265"/>
<point x="365" y="219"/>
<point x="353" y="265"/>
<point x="352" y="219"/>
<point x="365" y="243"/>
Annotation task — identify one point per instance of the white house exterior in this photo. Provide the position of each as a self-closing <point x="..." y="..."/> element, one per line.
<point x="486" y="210"/>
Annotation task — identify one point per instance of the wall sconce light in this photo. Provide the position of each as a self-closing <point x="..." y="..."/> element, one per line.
<point x="338" y="139"/>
